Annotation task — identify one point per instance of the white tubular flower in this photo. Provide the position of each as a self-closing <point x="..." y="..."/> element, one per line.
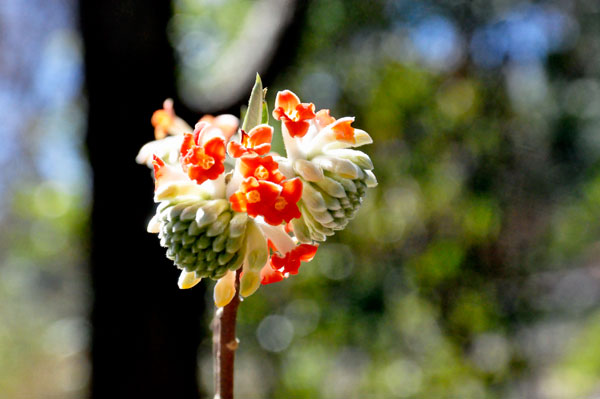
<point x="334" y="176"/>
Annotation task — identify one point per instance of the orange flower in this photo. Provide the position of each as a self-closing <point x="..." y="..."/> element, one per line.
<point x="280" y="267"/>
<point x="293" y="113"/>
<point x="257" y="141"/>
<point x="202" y="162"/>
<point x="285" y="207"/>
<point x="255" y="196"/>
<point x="163" y="119"/>
<point x="268" y="275"/>
<point x="267" y="199"/>
<point x="262" y="168"/>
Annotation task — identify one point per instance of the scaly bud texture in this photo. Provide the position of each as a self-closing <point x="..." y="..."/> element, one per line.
<point x="226" y="202"/>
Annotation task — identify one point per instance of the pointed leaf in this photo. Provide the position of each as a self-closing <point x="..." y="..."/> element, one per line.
<point x="255" y="106"/>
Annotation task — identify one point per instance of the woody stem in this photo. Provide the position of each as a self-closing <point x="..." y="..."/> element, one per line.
<point x="225" y="344"/>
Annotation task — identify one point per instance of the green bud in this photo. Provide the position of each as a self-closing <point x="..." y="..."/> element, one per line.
<point x="210" y="211"/>
<point x="338" y="166"/>
<point x="301" y="230"/>
<point x="328" y="204"/>
<point x="331" y="187"/>
<point x="219" y="225"/>
<point x="312" y="198"/>
<point x="358" y="157"/>
<point x="198" y="239"/>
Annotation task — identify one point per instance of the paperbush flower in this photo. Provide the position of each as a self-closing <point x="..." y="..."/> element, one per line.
<point x="254" y="210"/>
<point x="294" y="114"/>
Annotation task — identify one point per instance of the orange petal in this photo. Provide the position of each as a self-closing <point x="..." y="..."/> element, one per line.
<point x="268" y="275"/>
<point x="262" y="134"/>
<point x="344" y="131"/>
<point x="162" y="121"/>
<point x="305" y="111"/>
<point x="238" y="202"/>
<point x="215" y="147"/>
<point x="296" y="129"/>
<point x="186" y="144"/>
<point x="292" y="190"/>
<point x="290" y="262"/>
<point x="286" y="100"/>
<point x="323" y="118"/>
<point x="158" y="165"/>
<point x="285" y="206"/>
<point x="236" y="150"/>
<point x="307" y="252"/>
<point x="262" y="149"/>
<point x="268" y="168"/>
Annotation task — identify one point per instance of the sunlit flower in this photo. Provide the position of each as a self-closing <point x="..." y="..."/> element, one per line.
<point x="294" y="114"/>
<point x="261" y="168"/>
<point x="165" y="121"/>
<point x="334" y="176"/>
<point x="281" y="267"/>
<point x="203" y="153"/>
<point x="169" y="130"/>
<point x="257" y="141"/>
<point x="256" y="211"/>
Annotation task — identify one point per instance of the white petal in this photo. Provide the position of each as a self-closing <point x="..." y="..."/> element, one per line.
<point x="282" y="240"/>
<point x="249" y="282"/>
<point x="257" y="250"/>
<point x="167" y="149"/>
<point x="285" y="166"/>
<point x="187" y="280"/>
<point x="225" y="289"/>
<point x="308" y="170"/>
<point x="370" y="180"/>
<point x="342" y="167"/>
<point x="154" y="225"/>
<point x="358" y="157"/>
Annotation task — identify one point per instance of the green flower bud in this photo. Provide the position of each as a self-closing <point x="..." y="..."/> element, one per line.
<point x="328" y="203"/>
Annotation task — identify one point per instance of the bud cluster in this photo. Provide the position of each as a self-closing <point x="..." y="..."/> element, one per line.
<point x="204" y="237"/>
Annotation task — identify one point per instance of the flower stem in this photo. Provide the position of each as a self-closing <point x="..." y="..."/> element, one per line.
<point x="225" y="343"/>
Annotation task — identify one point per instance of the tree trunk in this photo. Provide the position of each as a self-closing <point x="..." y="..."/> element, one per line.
<point x="145" y="330"/>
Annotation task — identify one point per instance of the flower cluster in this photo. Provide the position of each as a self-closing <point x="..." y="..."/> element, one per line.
<point x="226" y="202"/>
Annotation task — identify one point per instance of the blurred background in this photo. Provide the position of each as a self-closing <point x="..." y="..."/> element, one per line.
<point x="471" y="271"/>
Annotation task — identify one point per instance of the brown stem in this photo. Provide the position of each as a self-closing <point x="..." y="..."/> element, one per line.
<point x="224" y="344"/>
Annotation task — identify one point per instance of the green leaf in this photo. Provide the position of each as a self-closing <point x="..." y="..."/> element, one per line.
<point x="254" y="114"/>
<point x="265" y="111"/>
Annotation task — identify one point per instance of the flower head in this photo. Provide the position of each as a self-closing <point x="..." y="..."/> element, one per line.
<point x="257" y="211"/>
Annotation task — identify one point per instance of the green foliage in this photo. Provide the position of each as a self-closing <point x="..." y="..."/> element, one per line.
<point x="487" y="200"/>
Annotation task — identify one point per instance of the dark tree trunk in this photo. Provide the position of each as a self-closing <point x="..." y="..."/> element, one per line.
<point x="145" y="330"/>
